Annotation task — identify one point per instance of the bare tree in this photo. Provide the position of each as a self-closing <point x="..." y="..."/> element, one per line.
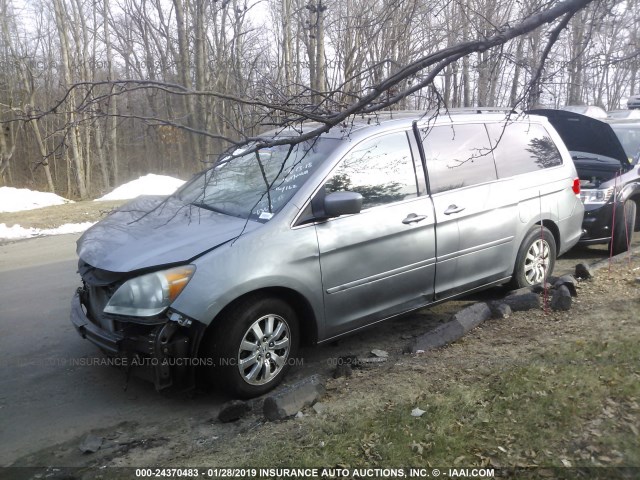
<point x="182" y="80"/>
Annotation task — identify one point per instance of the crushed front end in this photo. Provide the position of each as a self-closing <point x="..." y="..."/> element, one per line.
<point x="156" y="343"/>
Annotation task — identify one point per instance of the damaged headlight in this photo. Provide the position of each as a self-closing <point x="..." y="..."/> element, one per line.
<point x="596" y="196"/>
<point x="150" y="294"/>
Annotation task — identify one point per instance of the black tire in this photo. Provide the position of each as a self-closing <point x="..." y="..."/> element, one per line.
<point x="623" y="228"/>
<point x="536" y="258"/>
<point x="242" y="372"/>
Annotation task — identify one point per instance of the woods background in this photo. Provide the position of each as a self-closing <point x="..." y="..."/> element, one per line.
<point x="96" y="92"/>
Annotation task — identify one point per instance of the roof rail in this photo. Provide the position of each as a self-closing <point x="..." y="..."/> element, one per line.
<point x="478" y="110"/>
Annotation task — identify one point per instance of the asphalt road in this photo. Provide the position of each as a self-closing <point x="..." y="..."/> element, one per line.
<point x="47" y="395"/>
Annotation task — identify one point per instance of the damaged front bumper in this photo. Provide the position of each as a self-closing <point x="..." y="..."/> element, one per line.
<point x="164" y="352"/>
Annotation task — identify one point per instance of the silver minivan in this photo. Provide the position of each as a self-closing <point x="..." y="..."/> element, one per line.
<point x="286" y="244"/>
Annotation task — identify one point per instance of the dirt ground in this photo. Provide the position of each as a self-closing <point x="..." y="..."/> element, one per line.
<point x="612" y="298"/>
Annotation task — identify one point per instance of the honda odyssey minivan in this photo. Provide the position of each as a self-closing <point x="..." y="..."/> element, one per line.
<point x="309" y="241"/>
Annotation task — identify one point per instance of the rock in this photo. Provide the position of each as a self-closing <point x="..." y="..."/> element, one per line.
<point x="539" y="288"/>
<point x="521" y="302"/>
<point x="343" y="370"/>
<point x="320" y="408"/>
<point x="568" y="281"/>
<point x="472" y="316"/>
<point x="380" y="353"/>
<point x="299" y="415"/>
<point x="289" y="401"/>
<point x="91" y="444"/>
<point x="417" y="412"/>
<point x="500" y="310"/>
<point x="583" y="272"/>
<point x="520" y="291"/>
<point x="439" y="336"/>
<point x="461" y="323"/>
<point x="233" y="410"/>
<point x="561" y="299"/>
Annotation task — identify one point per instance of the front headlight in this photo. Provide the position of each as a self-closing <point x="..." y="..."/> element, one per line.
<point x="596" y="196"/>
<point x="150" y="294"/>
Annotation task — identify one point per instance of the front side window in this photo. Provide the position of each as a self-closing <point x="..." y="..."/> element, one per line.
<point x="457" y="156"/>
<point x="257" y="185"/>
<point x="381" y="170"/>
<point x="522" y="148"/>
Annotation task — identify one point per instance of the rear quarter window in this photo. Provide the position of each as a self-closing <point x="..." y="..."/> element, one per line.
<point x="522" y="148"/>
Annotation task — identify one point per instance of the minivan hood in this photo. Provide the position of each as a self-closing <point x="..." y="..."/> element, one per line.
<point x="585" y="134"/>
<point x="153" y="231"/>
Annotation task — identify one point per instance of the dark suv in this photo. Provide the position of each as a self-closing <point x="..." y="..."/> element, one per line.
<point x="609" y="179"/>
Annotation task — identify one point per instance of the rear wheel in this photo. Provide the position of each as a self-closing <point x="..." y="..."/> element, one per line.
<point x="252" y="346"/>
<point x="623" y="228"/>
<point x="536" y="258"/>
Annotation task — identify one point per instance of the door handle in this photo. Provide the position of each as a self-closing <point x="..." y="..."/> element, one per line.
<point x="453" y="209"/>
<point x="413" y="218"/>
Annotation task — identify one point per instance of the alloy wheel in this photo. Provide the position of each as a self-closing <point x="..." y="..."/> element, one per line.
<point x="536" y="262"/>
<point x="264" y="350"/>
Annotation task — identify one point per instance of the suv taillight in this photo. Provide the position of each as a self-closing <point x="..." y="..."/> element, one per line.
<point x="576" y="186"/>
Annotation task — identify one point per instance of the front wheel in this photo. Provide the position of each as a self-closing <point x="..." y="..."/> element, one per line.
<point x="536" y="258"/>
<point x="623" y="229"/>
<point x="252" y="346"/>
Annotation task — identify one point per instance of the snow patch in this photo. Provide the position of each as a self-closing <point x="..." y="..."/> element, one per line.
<point x="18" y="199"/>
<point x="150" y="184"/>
<point x="16" y="231"/>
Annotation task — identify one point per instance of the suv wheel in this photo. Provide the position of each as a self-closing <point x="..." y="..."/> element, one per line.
<point x="536" y="258"/>
<point x="623" y="230"/>
<point x="252" y="346"/>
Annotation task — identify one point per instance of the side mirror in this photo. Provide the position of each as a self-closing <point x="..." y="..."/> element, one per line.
<point x="342" y="203"/>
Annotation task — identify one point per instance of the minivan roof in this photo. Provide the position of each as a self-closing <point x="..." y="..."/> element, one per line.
<point x="404" y="118"/>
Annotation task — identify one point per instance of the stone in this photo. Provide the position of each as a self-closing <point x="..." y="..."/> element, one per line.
<point x="521" y="302"/>
<point x="500" y="310"/>
<point x="380" y="353"/>
<point x="472" y="316"/>
<point x="520" y="291"/>
<point x="462" y="322"/>
<point x="583" y="272"/>
<point x="539" y="288"/>
<point x="417" y="412"/>
<point x="568" y="281"/>
<point x="320" y="408"/>
<point x="439" y="336"/>
<point x="289" y="401"/>
<point x="233" y="410"/>
<point x="561" y="299"/>
<point x="91" y="444"/>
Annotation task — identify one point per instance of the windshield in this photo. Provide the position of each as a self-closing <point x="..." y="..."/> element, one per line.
<point x="629" y="136"/>
<point x="258" y="184"/>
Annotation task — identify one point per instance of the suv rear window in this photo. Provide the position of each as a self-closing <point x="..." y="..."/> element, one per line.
<point x="457" y="156"/>
<point x="522" y="148"/>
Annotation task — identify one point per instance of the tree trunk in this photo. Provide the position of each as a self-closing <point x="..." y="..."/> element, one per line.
<point x="72" y="127"/>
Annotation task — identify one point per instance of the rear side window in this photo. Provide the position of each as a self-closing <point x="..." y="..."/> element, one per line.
<point x="381" y="170"/>
<point x="457" y="156"/>
<point x="522" y="148"/>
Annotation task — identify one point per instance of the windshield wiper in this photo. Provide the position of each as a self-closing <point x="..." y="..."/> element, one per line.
<point x="209" y="207"/>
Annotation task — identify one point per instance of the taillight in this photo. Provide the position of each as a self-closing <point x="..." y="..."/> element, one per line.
<point x="576" y="186"/>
